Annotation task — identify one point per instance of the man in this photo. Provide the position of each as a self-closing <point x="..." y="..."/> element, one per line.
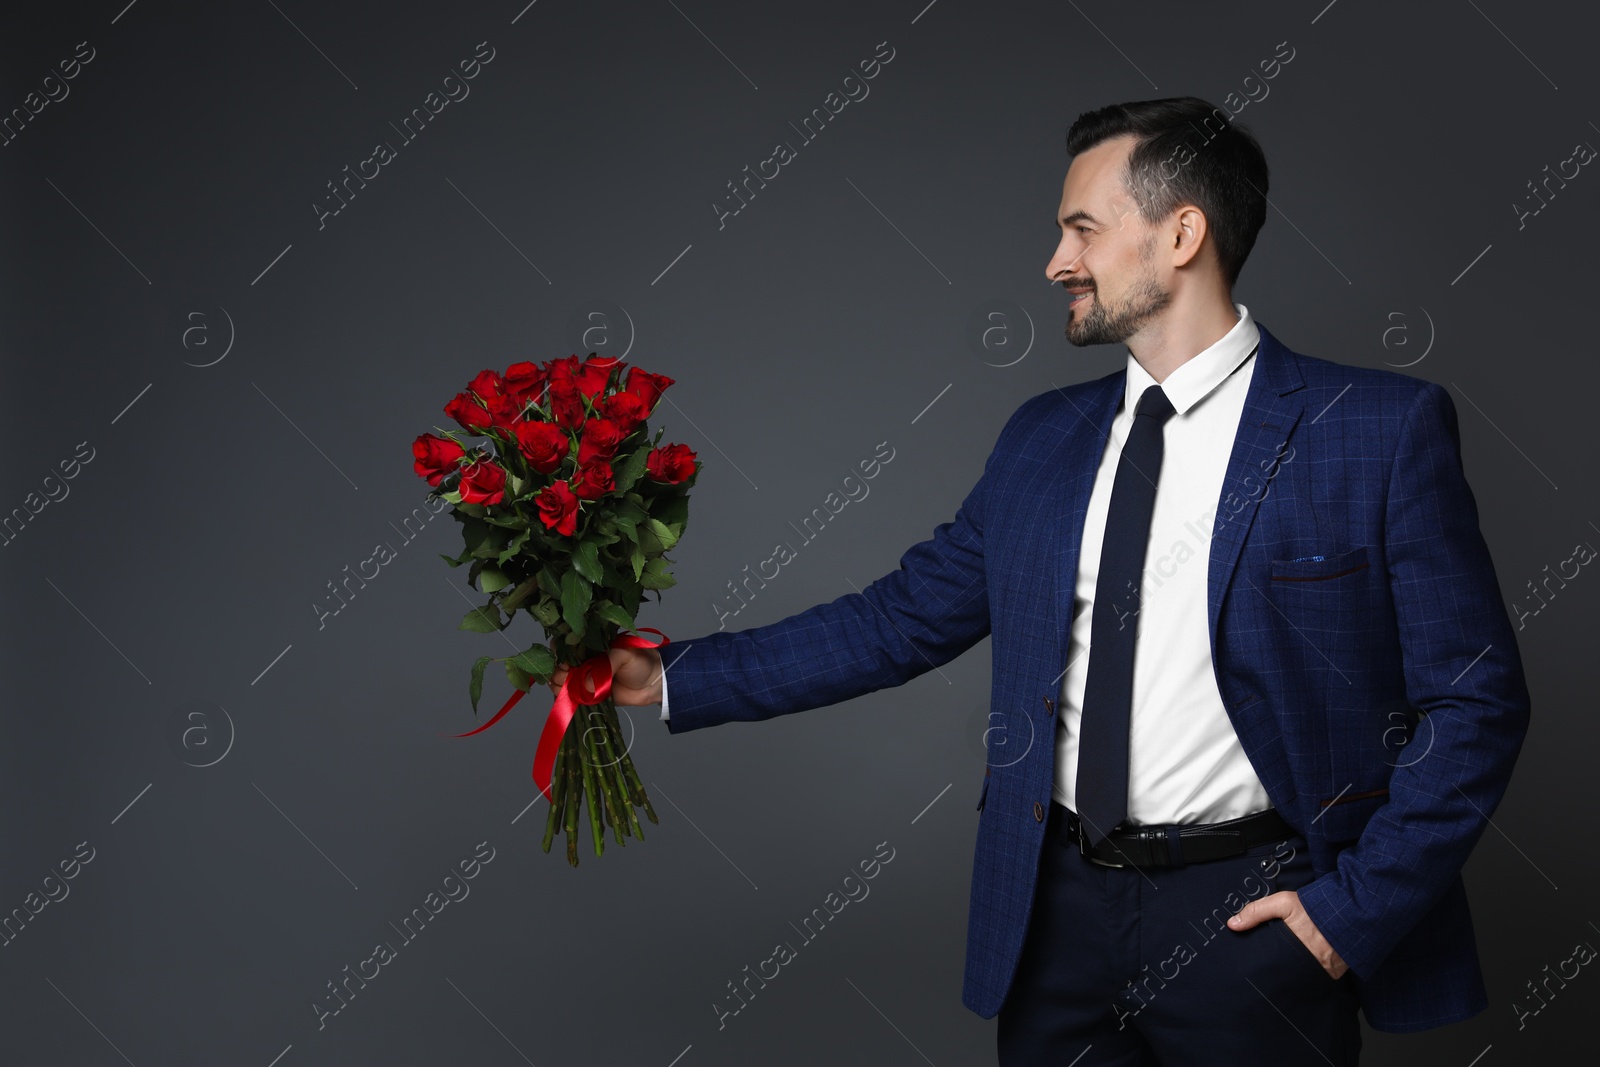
<point x="1245" y="592"/>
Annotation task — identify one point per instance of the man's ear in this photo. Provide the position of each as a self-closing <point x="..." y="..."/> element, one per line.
<point x="1187" y="233"/>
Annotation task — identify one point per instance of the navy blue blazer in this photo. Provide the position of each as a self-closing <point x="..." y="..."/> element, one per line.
<point x="1360" y="642"/>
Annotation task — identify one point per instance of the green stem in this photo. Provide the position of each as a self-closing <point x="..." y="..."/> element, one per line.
<point x="569" y="746"/>
<point x="592" y="788"/>
<point x="558" y="797"/>
<point x="619" y="754"/>
<point x="615" y="796"/>
<point x="616" y="791"/>
<point x="640" y="797"/>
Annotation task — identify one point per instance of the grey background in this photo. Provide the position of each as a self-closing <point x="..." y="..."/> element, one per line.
<point x="830" y="315"/>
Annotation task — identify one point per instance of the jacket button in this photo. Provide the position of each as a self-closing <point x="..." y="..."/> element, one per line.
<point x="1051" y="705"/>
<point x="1038" y="811"/>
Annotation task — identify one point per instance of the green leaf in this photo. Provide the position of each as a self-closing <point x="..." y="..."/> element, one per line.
<point x="638" y="562"/>
<point x="476" y="688"/>
<point x="630" y="511"/>
<point x="547" y="581"/>
<point x="674" y="512"/>
<point x="576" y="593"/>
<point x="586" y="559"/>
<point x="453" y="561"/>
<point x="616" y="614"/>
<point x="664" y="534"/>
<point x="514" y="546"/>
<point x="537" y="661"/>
<point x="517" y="676"/>
<point x="495" y="538"/>
<point x="648" y="541"/>
<point x="548" y="612"/>
<point x="656" y="575"/>
<point x="631" y="469"/>
<point x="484" y="620"/>
<point x="514" y="600"/>
<point x="614" y="576"/>
<point x="473" y="531"/>
<point x="492" y="579"/>
<point x="631" y="596"/>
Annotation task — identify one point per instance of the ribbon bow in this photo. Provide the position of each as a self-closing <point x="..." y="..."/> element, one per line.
<point x="589" y="682"/>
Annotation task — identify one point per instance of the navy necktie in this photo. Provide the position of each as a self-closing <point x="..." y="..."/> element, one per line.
<point x="1102" y="784"/>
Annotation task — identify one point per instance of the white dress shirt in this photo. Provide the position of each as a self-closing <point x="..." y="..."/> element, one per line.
<point x="1185" y="763"/>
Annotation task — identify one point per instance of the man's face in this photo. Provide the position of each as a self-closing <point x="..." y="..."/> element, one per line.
<point x="1106" y="258"/>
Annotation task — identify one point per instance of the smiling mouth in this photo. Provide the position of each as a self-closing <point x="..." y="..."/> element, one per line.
<point x="1077" y="297"/>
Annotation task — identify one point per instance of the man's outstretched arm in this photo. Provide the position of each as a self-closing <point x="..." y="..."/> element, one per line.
<point x="928" y="611"/>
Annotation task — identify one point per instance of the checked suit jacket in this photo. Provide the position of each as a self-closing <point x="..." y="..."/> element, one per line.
<point x="1360" y="642"/>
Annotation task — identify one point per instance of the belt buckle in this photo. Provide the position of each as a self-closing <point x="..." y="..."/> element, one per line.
<point x="1083" y="848"/>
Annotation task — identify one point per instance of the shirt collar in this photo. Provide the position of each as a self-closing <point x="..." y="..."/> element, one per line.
<point x="1197" y="377"/>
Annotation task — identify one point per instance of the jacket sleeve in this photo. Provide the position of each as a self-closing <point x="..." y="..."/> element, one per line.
<point x="928" y="611"/>
<point x="1463" y="674"/>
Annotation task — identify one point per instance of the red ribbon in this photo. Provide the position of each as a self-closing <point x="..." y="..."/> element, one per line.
<point x="588" y="682"/>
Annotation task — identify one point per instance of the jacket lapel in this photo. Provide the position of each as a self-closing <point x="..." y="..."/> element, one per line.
<point x="1084" y="421"/>
<point x="1272" y="407"/>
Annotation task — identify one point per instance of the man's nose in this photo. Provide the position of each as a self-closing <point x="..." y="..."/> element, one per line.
<point x="1061" y="265"/>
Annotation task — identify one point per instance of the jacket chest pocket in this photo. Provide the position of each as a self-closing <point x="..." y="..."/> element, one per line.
<point x="1314" y="569"/>
<point x="1322" y="592"/>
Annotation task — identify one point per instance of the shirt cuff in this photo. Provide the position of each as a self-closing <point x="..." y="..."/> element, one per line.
<point x="663" y="692"/>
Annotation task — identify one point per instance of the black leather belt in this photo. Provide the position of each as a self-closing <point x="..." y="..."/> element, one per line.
<point x="1173" y="845"/>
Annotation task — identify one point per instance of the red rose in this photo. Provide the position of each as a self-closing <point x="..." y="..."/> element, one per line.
<point x="594" y="481"/>
<point x="543" y="444"/>
<point x="483" y="482"/>
<point x="590" y="377"/>
<point x="646" y="386"/>
<point x="672" y="464"/>
<point x="525" y="380"/>
<point x="466" y="410"/>
<point x="485" y="405"/>
<point x="566" y="403"/>
<point x="561" y="369"/>
<point x="558" y="508"/>
<point x="487" y="384"/>
<point x="505" y="412"/>
<point x="595" y="375"/>
<point x="435" y="457"/>
<point x="625" y="409"/>
<point x="600" y="440"/>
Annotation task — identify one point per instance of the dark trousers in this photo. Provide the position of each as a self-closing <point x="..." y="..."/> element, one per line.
<point x="1130" y="967"/>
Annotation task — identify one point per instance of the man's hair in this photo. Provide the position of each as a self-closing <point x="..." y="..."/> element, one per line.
<point x="1188" y="152"/>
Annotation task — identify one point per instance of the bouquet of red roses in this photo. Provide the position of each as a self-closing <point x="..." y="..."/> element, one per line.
<point x="567" y="508"/>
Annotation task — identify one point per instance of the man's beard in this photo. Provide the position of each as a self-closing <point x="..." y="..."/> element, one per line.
<point x="1103" y="326"/>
